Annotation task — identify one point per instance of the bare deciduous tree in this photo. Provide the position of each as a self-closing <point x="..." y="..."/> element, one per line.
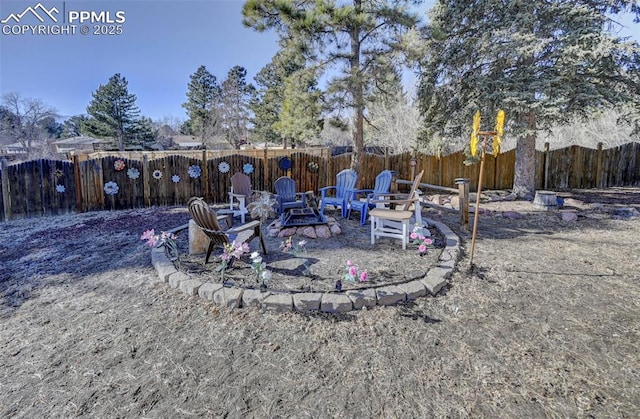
<point x="22" y="121"/>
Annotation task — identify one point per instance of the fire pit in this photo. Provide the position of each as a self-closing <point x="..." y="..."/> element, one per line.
<point x="296" y="217"/>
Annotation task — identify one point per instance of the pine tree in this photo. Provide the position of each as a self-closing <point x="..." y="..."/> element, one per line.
<point x="202" y="96"/>
<point x="114" y="112"/>
<point x="542" y="62"/>
<point x="234" y="106"/>
<point x="357" y="37"/>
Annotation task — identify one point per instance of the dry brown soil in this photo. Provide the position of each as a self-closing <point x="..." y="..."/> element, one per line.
<point x="545" y="325"/>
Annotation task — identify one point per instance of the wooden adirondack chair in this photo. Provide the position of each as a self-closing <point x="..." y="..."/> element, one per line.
<point x="242" y="193"/>
<point x="286" y="195"/>
<point x="393" y="221"/>
<point x="209" y="222"/>
<point x="345" y="184"/>
<point x="382" y="186"/>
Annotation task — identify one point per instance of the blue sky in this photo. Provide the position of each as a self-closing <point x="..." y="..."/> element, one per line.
<point x="162" y="43"/>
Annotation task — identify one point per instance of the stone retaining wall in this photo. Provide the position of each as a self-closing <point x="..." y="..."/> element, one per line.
<point x="330" y="302"/>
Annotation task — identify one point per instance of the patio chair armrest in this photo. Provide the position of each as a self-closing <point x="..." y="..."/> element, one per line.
<point x="243" y="227"/>
<point x="323" y="191"/>
<point x="356" y="192"/>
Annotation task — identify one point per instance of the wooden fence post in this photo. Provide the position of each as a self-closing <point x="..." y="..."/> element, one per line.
<point x="77" y="180"/>
<point x="265" y="169"/>
<point x="146" y="180"/>
<point x="463" y="199"/>
<point x="546" y="166"/>
<point x="205" y="177"/>
<point x="6" y="192"/>
<point x="599" y="182"/>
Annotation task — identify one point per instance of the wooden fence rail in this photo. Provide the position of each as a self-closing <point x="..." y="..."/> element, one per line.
<point x="87" y="183"/>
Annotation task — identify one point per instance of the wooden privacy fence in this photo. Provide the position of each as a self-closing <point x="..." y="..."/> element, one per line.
<point x="121" y="180"/>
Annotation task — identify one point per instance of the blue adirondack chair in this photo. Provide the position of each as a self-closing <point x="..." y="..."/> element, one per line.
<point x="382" y="186"/>
<point x="287" y="197"/>
<point x="345" y="183"/>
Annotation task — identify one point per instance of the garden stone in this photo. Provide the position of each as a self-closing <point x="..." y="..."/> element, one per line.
<point x="190" y="286"/>
<point x="207" y="290"/>
<point x="335" y="229"/>
<point x="176" y="278"/>
<point x="413" y="289"/>
<point x="228" y="297"/>
<point x="307" y="301"/>
<point x="335" y="303"/>
<point x="254" y="298"/>
<point x="390" y="295"/>
<point x="436" y="279"/>
<point x="365" y="297"/>
<point x="165" y="270"/>
<point x="278" y="302"/>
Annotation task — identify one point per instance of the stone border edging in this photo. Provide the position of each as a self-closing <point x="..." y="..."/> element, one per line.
<point x="329" y="302"/>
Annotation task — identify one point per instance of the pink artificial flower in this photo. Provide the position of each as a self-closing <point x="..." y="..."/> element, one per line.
<point x="349" y="263"/>
<point x="147" y="235"/>
<point x="364" y="276"/>
<point x="420" y="237"/>
<point x="422" y="248"/>
<point x="353" y="271"/>
<point x="414" y="236"/>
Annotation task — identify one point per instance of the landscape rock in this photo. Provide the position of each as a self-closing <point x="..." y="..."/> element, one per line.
<point x="365" y="297"/>
<point x="307" y="301"/>
<point x="287" y="232"/>
<point x="323" y="232"/>
<point x="568" y="216"/>
<point x="309" y="231"/>
<point x="190" y="286"/>
<point x="254" y="298"/>
<point x="335" y="303"/>
<point x="390" y="295"/>
<point x="512" y="215"/>
<point x="207" y="290"/>
<point x="278" y="302"/>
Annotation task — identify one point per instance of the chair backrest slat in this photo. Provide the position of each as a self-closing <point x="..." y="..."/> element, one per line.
<point x="241" y="184"/>
<point x="412" y="194"/>
<point x="207" y="220"/>
<point x="345" y="182"/>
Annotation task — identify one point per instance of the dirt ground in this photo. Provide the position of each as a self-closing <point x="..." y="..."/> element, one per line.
<point x="319" y="263"/>
<point x="545" y="325"/>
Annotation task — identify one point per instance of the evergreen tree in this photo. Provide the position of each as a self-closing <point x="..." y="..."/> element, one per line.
<point x="75" y="126"/>
<point x="542" y="62"/>
<point x="299" y="119"/>
<point x="114" y="112"/>
<point x="202" y="96"/>
<point x="284" y="85"/>
<point x="359" y="38"/>
<point x="234" y="106"/>
<point x="267" y="102"/>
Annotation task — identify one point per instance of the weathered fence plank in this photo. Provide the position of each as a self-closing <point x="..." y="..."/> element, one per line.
<point x="43" y="187"/>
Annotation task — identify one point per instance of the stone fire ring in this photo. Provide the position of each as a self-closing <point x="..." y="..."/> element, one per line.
<point x="329" y="302"/>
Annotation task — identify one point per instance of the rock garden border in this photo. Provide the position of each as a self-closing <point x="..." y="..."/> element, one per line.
<point x="328" y="302"/>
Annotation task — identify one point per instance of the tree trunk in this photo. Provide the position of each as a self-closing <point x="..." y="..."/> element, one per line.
<point x="524" y="182"/>
<point x="358" y="96"/>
